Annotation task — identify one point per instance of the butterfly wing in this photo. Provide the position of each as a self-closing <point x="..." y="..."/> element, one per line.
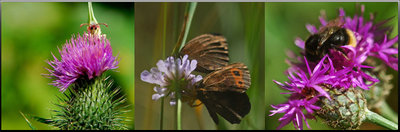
<point x="232" y="106"/>
<point x="234" y="77"/>
<point x="210" y="51"/>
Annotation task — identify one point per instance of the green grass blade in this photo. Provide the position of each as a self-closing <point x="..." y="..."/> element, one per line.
<point x="27" y="121"/>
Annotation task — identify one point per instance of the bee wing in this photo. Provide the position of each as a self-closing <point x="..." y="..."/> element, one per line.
<point x="210" y="51"/>
<point x="234" y="77"/>
<point x="232" y="106"/>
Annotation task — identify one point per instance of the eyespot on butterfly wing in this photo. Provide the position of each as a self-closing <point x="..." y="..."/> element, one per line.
<point x="234" y="77"/>
<point x="210" y="51"/>
<point x="232" y="106"/>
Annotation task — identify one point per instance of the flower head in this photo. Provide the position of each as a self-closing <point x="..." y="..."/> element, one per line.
<point x="86" y="56"/>
<point x="305" y="87"/>
<point x="170" y="71"/>
<point x="310" y="80"/>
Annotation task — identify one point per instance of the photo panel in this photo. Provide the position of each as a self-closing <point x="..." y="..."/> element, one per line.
<point x="227" y="42"/>
<point x="330" y="65"/>
<point x="65" y="69"/>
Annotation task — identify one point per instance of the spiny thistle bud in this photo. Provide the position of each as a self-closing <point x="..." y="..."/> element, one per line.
<point x="345" y="110"/>
<point x="90" y="105"/>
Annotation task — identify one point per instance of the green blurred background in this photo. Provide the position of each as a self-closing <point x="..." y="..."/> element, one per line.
<point x="30" y="32"/>
<point x="286" y="21"/>
<point x="243" y="26"/>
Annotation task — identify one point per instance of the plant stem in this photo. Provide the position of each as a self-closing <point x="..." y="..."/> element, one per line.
<point x="185" y="27"/>
<point x="178" y="114"/>
<point x="162" y="114"/>
<point x="163" y="56"/>
<point x="133" y="36"/>
<point x="387" y="112"/>
<point x="180" y="43"/>
<point x="27" y="121"/>
<point x="92" y="19"/>
<point x="192" y="8"/>
<point x="381" y="121"/>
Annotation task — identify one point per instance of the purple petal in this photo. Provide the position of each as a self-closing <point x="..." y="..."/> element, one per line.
<point x="311" y="28"/>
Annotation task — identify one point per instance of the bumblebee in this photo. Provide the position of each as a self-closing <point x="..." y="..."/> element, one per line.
<point x="328" y="38"/>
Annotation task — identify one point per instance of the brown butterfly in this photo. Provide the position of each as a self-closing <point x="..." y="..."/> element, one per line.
<point x="223" y="92"/>
<point x="210" y="51"/>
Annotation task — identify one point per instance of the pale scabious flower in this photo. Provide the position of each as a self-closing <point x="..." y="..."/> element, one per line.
<point x="86" y="57"/>
<point x="168" y="71"/>
<point x="304" y="85"/>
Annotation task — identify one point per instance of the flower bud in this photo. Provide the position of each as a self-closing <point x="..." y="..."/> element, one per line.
<point x="345" y="110"/>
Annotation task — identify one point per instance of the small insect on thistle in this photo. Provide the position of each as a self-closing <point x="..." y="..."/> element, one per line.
<point x="94" y="28"/>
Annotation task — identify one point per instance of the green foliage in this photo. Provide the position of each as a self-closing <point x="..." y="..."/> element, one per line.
<point x="90" y="105"/>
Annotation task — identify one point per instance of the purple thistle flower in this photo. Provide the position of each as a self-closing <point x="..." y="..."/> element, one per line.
<point x="86" y="56"/>
<point x="170" y="70"/>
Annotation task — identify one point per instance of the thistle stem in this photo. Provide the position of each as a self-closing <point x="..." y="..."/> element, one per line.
<point x="381" y="121"/>
<point x="388" y="112"/>
<point x="92" y="19"/>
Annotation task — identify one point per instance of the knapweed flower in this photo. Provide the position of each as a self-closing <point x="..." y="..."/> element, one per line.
<point x="310" y="82"/>
<point x="86" y="57"/>
<point x="384" y="51"/>
<point x="305" y="88"/>
<point x="168" y="73"/>
<point x="293" y="110"/>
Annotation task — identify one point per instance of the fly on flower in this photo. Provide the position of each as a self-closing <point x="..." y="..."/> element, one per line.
<point x="94" y="28"/>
